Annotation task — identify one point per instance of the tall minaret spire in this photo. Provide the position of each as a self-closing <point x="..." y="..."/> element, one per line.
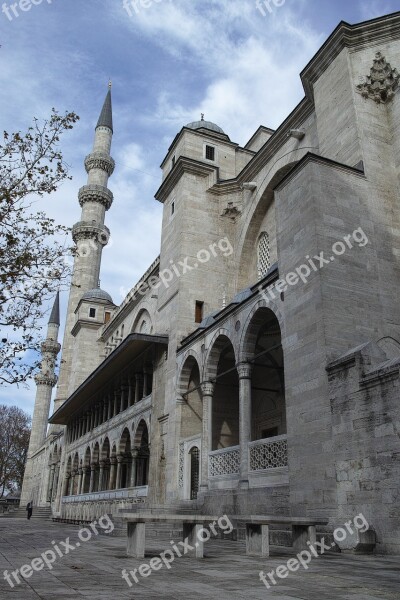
<point x="89" y="234"/>
<point x="45" y="380"/>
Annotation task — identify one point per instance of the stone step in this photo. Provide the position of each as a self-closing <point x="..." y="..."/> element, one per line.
<point x="39" y="512"/>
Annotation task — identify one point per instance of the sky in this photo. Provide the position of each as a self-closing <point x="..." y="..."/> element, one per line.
<point x="169" y="61"/>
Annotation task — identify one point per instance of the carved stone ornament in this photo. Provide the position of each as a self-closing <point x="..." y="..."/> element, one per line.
<point x="231" y="211"/>
<point x="382" y="83"/>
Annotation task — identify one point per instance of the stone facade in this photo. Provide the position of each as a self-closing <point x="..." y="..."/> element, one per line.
<point x="254" y="368"/>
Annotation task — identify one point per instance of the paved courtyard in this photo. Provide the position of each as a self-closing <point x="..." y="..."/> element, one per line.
<point x="94" y="570"/>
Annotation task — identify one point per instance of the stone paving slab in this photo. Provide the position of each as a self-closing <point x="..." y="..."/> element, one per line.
<point x="94" y="571"/>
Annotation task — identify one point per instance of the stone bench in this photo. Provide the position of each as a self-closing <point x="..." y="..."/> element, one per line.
<point x="257" y="532"/>
<point x="192" y="524"/>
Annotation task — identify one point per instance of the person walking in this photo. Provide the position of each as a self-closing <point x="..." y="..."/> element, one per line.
<point x="29" y="509"/>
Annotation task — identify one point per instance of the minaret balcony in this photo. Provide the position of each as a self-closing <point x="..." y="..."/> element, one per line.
<point x="85" y="230"/>
<point x="51" y="346"/>
<point x="98" y="160"/>
<point x="96" y="193"/>
<point x="49" y="380"/>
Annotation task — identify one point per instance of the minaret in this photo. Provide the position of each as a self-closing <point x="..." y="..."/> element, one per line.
<point x="90" y="236"/>
<point x="45" y="380"/>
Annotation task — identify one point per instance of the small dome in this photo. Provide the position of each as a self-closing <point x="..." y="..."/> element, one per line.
<point x="97" y="294"/>
<point x="205" y="125"/>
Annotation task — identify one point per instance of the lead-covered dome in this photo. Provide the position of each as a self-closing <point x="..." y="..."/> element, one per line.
<point x="205" y="125"/>
<point x="97" y="294"/>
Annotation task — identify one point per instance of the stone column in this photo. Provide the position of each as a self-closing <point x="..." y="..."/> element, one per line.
<point x="244" y="372"/>
<point x="206" y="443"/>
<point x="130" y="392"/>
<point x="115" y="412"/>
<point x="135" y="453"/>
<point x="113" y="462"/>
<point x="72" y="484"/>
<point x="92" y="472"/>
<point x="122" y="404"/>
<point x="66" y="484"/>
<point x="51" y="482"/>
<point x="110" y="407"/>
<point x="55" y="482"/>
<point x="105" y="410"/>
<point x="145" y="379"/>
<point x="101" y="474"/>
<point x="84" y="474"/>
<point x="80" y="471"/>
<point x="137" y="388"/>
<point x="120" y="460"/>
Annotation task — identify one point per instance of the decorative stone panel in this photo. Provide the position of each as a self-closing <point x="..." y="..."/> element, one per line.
<point x="265" y="454"/>
<point x="382" y="82"/>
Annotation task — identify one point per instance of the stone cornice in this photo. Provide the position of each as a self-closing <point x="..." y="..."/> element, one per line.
<point x="84" y="323"/>
<point x="267" y="152"/>
<point x="95" y="193"/>
<point x="382" y="374"/>
<point x="183" y="165"/>
<point x="345" y="35"/>
<point x="222" y="188"/>
<point x="255" y="134"/>
<point x="321" y="160"/>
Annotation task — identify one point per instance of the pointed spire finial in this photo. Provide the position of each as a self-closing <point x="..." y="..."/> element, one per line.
<point x="55" y="311"/>
<point x="202" y="116"/>
<point x="105" y="119"/>
<point x="109" y="84"/>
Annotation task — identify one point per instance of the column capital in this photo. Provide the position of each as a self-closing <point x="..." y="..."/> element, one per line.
<point x="120" y="458"/>
<point x="244" y="370"/>
<point x="113" y="460"/>
<point x="207" y="388"/>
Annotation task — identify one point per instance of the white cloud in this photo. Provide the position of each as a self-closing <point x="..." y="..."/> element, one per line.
<point x="252" y="63"/>
<point x="374" y="8"/>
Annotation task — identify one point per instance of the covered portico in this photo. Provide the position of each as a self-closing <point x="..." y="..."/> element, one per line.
<point x="240" y="391"/>
<point x="107" y="423"/>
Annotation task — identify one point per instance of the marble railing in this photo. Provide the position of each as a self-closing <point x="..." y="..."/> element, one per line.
<point x="136" y="492"/>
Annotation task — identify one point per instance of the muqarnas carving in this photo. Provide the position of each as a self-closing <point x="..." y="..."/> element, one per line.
<point x="382" y="83"/>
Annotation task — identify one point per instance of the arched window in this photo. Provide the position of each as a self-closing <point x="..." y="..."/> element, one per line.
<point x="263" y="255"/>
